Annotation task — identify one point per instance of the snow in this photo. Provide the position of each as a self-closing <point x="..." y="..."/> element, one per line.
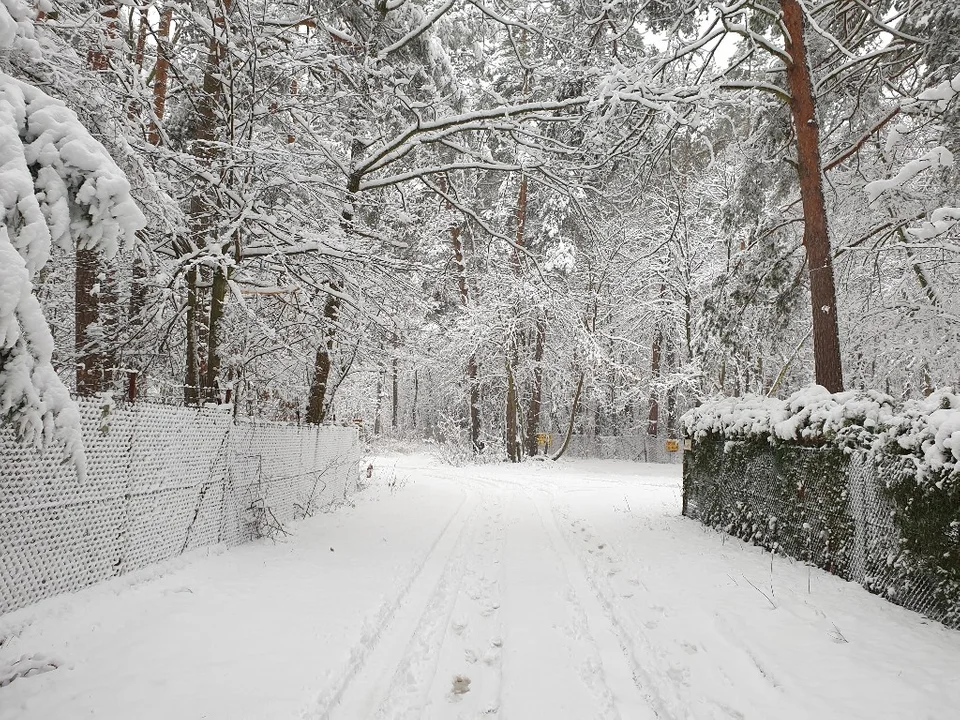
<point x="567" y="590"/>
<point x="929" y="429"/>
<point x="16" y="25"/>
<point x="942" y="220"/>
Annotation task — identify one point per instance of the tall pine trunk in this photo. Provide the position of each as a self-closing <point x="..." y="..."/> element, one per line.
<point x="161" y="73"/>
<point x="816" y="235"/>
<point x="91" y="275"/>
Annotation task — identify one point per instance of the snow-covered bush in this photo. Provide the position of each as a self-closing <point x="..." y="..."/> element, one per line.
<point x="810" y="416"/>
<point x="928" y="431"/>
<point x="57" y="184"/>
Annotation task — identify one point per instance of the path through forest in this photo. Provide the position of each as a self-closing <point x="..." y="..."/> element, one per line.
<point x="571" y="590"/>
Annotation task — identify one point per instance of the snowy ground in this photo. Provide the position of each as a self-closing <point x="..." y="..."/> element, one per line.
<point x="541" y="591"/>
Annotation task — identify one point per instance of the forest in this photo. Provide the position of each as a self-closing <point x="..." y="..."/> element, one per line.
<point x="475" y="221"/>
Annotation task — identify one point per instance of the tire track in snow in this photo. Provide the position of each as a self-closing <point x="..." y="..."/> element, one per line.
<point x="471" y="648"/>
<point x="416" y="666"/>
<point x="671" y="680"/>
<point x="632" y="695"/>
<point x="392" y="621"/>
<point x="664" y="701"/>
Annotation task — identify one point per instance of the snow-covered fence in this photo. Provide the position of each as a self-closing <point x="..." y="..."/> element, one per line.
<point x="160" y="480"/>
<point x="847" y="482"/>
<point x="639" y="448"/>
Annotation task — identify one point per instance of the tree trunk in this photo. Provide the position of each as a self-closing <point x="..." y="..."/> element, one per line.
<point x="191" y="380"/>
<point x="161" y="72"/>
<point x="413" y="404"/>
<point x="218" y="296"/>
<point x="653" y="422"/>
<point x="316" y="406"/>
<point x="318" y="401"/>
<point x="573" y="418"/>
<point x="536" y="394"/>
<point x="203" y="216"/>
<point x="671" y="392"/>
<point x="377" y="427"/>
<point x="142" y="25"/>
<point x="816" y="237"/>
<point x="521" y="223"/>
<point x="473" y="388"/>
<point x="513" y="433"/>
<point x="89" y="360"/>
<point x="396" y="393"/>
<point x="513" y="442"/>
<point x="472" y="372"/>
<point x="91" y="270"/>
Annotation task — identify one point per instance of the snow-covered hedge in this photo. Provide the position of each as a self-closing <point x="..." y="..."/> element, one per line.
<point x="928" y="430"/>
<point x="829" y="477"/>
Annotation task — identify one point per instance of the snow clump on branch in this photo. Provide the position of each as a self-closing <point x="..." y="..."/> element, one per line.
<point x="931" y="101"/>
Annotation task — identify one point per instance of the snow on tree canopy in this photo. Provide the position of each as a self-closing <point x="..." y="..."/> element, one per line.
<point x="57" y="184"/>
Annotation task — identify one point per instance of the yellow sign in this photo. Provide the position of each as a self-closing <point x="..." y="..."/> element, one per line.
<point x="545" y="439"/>
<point x="673" y="445"/>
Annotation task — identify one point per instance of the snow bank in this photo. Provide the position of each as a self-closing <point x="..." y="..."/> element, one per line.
<point x="848" y="481"/>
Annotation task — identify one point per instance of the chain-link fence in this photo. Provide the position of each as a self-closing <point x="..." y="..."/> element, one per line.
<point x="820" y="505"/>
<point x="638" y="448"/>
<point x="160" y="480"/>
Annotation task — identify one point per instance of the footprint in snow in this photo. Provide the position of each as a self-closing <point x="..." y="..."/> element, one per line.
<point x="461" y="685"/>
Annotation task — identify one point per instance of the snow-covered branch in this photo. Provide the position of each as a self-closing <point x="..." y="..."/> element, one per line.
<point x="57" y="184"/>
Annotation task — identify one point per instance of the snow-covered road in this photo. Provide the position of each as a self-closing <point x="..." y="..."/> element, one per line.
<point x="572" y="590"/>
